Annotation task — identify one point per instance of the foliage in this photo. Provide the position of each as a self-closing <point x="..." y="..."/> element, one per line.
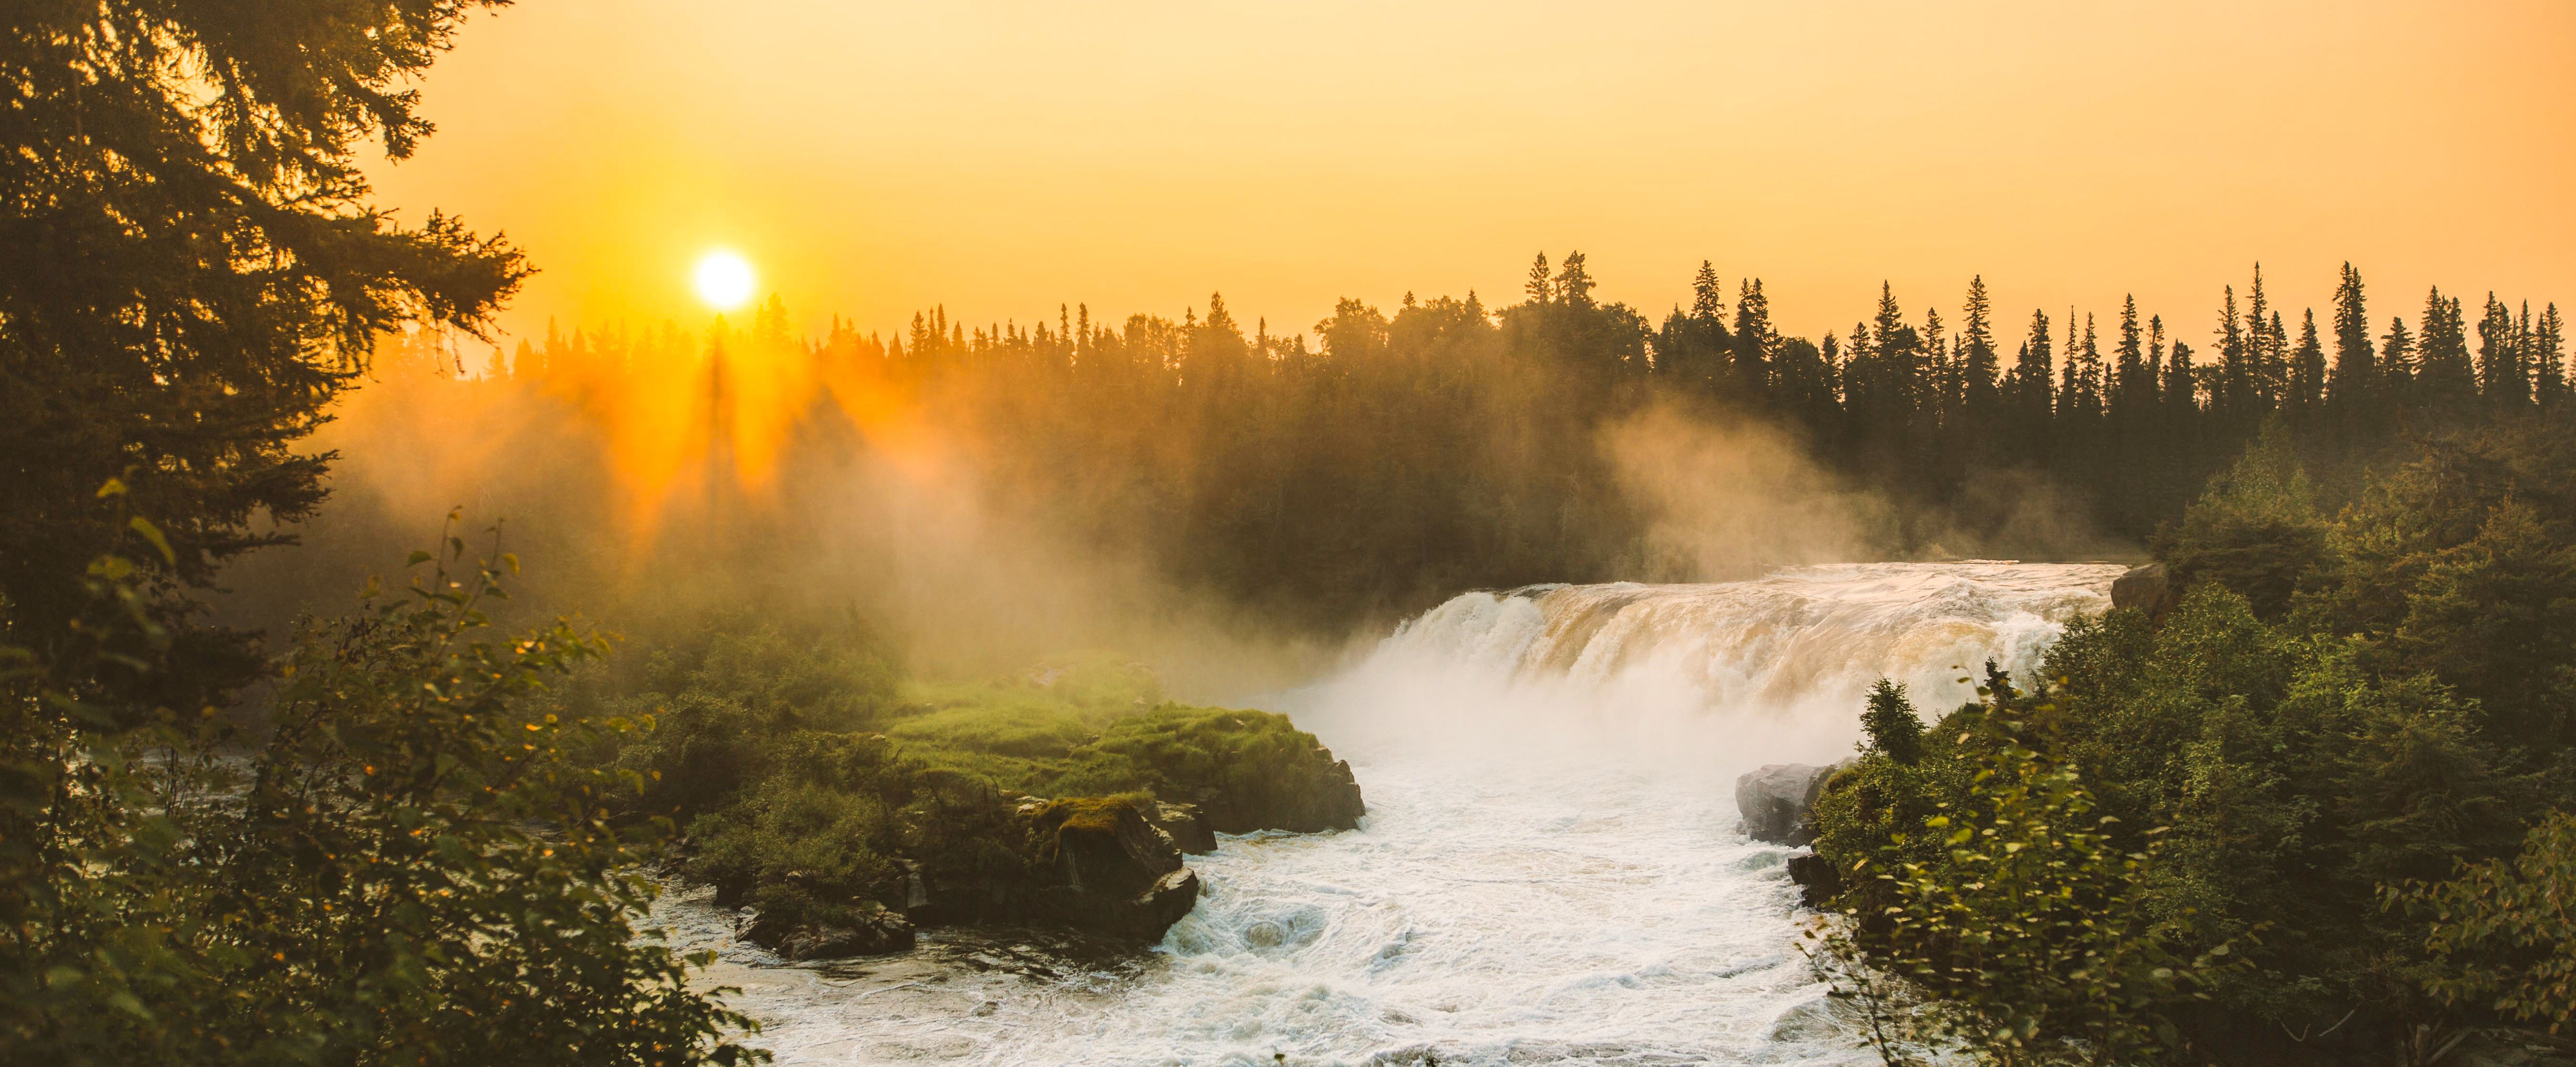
<point x="411" y="845"/>
<point x="2021" y="926"/>
<point x="1891" y="723"/>
<point x="2256" y="530"/>
<point x="2359" y="740"/>
<point x="194" y="272"/>
<point x="2505" y="930"/>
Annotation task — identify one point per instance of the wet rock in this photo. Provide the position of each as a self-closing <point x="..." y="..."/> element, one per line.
<point x="1102" y="866"/>
<point x="867" y="932"/>
<point x="1775" y="800"/>
<point x="1308" y="793"/>
<point x="1187" y="828"/>
<point x="1819" y="882"/>
<point x="2149" y="589"/>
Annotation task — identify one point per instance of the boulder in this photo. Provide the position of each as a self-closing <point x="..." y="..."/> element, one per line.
<point x="2149" y="589"/>
<point x="867" y="932"/>
<point x="1775" y="800"/>
<point x="1819" y="881"/>
<point x="1186" y="827"/>
<point x="1307" y="793"/>
<point x="1102" y="866"/>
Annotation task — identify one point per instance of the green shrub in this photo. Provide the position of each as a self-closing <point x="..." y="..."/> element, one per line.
<point x="2504" y="931"/>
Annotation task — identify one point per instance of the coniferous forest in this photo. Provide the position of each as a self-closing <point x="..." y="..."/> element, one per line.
<point x="1380" y="461"/>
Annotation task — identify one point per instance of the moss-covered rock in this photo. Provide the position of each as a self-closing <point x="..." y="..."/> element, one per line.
<point x="1098" y="864"/>
<point x="1245" y="770"/>
<point x="917" y="812"/>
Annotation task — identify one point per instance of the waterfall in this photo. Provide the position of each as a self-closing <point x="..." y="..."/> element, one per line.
<point x="1551" y="870"/>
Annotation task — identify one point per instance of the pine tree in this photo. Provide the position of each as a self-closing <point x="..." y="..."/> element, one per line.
<point x="1754" y="341"/>
<point x="2504" y="382"/>
<point x="2351" y="388"/>
<point x="2232" y="402"/>
<point x="2265" y="363"/>
<point x="1708" y="297"/>
<point x="1574" y="284"/>
<point x="2397" y="364"/>
<point x="1978" y="363"/>
<point x="1540" y="287"/>
<point x="2306" y="399"/>
<point x="2134" y="387"/>
<point x="2446" y="384"/>
<point x="193" y="272"/>
<point x="2029" y="396"/>
<point x="2089" y="371"/>
<point x="2549" y="360"/>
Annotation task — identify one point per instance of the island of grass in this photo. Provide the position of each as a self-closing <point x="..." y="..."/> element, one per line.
<point x="844" y="805"/>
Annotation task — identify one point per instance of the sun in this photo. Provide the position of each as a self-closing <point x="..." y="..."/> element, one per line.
<point x="724" y="279"/>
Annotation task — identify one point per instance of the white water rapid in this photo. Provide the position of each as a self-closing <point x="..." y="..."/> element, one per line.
<point x="1551" y="870"/>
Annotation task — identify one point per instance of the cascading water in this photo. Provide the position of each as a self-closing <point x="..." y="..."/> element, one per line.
<point x="1551" y="870"/>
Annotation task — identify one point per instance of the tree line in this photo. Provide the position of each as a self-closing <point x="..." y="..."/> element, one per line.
<point x="1397" y="458"/>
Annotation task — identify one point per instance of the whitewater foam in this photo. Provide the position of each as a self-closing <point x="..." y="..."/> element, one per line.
<point x="1551" y="870"/>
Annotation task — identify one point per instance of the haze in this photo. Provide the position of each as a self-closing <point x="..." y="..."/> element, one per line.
<point x="1000" y="157"/>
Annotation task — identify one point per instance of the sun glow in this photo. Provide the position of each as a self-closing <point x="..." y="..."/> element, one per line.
<point x="724" y="280"/>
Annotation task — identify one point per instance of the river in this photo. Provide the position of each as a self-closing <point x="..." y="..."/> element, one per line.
<point x="1551" y="870"/>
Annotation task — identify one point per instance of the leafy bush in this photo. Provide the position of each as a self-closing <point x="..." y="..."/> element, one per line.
<point x="416" y="865"/>
<point x="2406" y="713"/>
<point x="2505" y="930"/>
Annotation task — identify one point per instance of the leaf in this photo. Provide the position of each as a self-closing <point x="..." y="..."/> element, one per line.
<point x="152" y="533"/>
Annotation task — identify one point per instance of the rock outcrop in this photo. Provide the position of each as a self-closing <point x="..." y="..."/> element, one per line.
<point x="2149" y="589"/>
<point x="1186" y="827"/>
<point x="1311" y="794"/>
<point x="868" y="931"/>
<point x="1816" y="877"/>
<point x="1100" y="865"/>
<point x="1776" y="799"/>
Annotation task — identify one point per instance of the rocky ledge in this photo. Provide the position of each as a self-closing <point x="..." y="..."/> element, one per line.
<point x="869" y="932"/>
<point x="1775" y="801"/>
<point x="1100" y="865"/>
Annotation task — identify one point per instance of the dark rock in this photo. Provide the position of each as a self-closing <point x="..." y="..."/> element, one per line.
<point x="1820" y="881"/>
<point x="1187" y="828"/>
<point x="869" y="932"/>
<point x="1312" y="794"/>
<point x="1775" y="800"/>
<point x="2149" y="589"/>
<point x="1102" y="866"/>
<point x="916" y="895"/>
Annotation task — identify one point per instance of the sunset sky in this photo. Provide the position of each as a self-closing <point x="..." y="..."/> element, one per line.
<point x="1002" y="156"/>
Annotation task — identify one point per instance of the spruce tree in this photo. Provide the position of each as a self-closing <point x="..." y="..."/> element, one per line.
<point x="1708" y="298"/>
<point x="194" y="271"/>
<point x="2134" y="387"/>
<point x="1541" y="287"/>
<point x="2232" y="401"/>
<point x="2029" y="395"/>
<point x="2549" y="360"/>
<point x="2397" y="364"/>
<point x="1574" y="283"/>
<point x="2504" y="382"/>
<point x="2446" y="383"/>
<point x="2351" y="386"/>
<point x="1978" y="363"/>
<point x="2306" y="399"/>
<point x="1753" y="341"/>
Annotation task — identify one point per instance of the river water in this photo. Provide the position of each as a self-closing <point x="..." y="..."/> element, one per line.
<point x="1551" y="870"/>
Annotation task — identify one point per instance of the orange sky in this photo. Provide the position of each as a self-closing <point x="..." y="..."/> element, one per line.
<point x="1001" y="156"/>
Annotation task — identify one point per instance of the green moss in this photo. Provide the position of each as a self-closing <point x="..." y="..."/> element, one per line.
<point x="1099" y="814"/>
<point x="802" y="821"/>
